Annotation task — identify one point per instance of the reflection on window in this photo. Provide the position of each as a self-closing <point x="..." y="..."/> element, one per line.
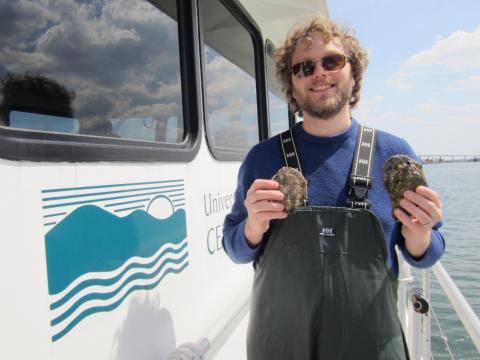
<point x="277" y="106"/>
<point x="278" y="112"/>
<point x="25" y="120"/>
<point x="93" y="67"/>
<point x="231" y="104"/>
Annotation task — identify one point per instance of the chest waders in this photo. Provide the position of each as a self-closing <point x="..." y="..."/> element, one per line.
<point x="322" y="290"/>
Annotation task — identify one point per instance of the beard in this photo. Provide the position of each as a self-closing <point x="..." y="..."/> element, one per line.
<point x="327" y="108"/>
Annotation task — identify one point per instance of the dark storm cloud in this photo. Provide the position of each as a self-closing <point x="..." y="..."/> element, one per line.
<point x="18" y="19"/>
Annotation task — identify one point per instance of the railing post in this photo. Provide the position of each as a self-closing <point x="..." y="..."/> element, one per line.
<point x="403" y="305"/>
<point x="426" y="343"/>
<point x="404" y="278"/>
<point x="416" y="326"/>
<point x="414" y="335"/>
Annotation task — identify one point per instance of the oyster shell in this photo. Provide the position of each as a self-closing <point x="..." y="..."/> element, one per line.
<point x="401" y="173"/>
<point x="293" y="185"/>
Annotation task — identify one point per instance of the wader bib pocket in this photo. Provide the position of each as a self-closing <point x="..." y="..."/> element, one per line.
<point x="322" y="290"/>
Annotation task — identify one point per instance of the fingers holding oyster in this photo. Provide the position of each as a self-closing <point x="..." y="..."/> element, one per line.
<point x="417" y="207"/>
<point x="267" y="200"/>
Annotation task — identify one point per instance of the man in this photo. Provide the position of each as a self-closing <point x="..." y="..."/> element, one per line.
<point x="325" y="274"/>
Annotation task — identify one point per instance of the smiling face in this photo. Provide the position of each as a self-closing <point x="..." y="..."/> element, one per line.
<point x="323" y="94"/>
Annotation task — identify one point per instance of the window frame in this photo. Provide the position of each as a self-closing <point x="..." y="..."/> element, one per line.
<point x="249" y="24"/>
<point x="23" y="144"/>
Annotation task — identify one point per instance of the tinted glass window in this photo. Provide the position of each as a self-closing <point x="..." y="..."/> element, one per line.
<point x="277" y="106"/>
<point x="92" y="67"/>
<point x="231" y="103"/>
<point x="278" y="114"/>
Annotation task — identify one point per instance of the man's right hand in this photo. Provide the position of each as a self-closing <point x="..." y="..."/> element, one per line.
<point x="263" y="203"/>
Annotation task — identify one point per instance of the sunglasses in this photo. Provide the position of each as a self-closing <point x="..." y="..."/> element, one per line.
<point x="332" y="62"/>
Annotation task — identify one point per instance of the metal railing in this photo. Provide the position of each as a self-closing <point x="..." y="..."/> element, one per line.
<point x="463" y="309"/>
<point x="417" y="326"/>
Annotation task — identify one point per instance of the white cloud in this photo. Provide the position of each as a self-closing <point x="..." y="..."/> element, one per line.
<point x="376" y="100"/>
<point x="236" y="109"/>
<point x="224" y="92"/>
<point x="459" y="51"/>
<point x="276" y="103"/>
<point x="443" y="129"/>
<point x="166" y="110"/>
<point x="463" y="111"/>
<point x="393" y="121"/>
<point x="136" y="12"/>
<point x="18" y="19"/>
<point x="402" y="80"/>
<point x="473" y="82"/>
<point x="366" y="107"/>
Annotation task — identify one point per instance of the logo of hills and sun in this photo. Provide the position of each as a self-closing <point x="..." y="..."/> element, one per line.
<point x="96" y="257"/>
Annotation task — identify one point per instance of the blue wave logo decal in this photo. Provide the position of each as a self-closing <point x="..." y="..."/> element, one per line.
<point x="96" y="258"/>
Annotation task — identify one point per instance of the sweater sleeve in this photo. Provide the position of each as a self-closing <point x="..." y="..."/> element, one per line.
<point x="434" y="251"/>
<point x="234" y="241"/>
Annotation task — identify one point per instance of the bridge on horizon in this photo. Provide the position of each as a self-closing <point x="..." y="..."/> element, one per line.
<point x="448" y="158"/>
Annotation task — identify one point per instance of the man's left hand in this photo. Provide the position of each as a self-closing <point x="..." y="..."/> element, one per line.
<point x="425" y="209"/>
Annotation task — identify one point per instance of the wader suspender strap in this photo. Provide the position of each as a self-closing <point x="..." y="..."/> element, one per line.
<point x="289" y="150"/>
<point x="360" y="178"/>
<point x="290" y="154"/>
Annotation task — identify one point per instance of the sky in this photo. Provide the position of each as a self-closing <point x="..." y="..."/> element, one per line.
<point x="423" y="79"/>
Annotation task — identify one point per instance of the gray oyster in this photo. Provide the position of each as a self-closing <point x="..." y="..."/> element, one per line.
<point x="401" y="173"/>
<point x="293" y="185"/>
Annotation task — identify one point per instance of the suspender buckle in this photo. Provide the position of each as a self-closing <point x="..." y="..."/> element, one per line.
<point x="359" y="193"/>
<point x="357" y="197"/>
<point x="360" y="181"/>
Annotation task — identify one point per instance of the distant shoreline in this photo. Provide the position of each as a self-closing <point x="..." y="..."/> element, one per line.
<point x="435" y="159"/>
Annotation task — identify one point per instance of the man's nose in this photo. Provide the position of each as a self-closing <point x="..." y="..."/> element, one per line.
<point x="319" y="70"/>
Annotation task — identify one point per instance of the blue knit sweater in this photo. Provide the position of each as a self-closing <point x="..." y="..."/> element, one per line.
<point x="326" y="163"/>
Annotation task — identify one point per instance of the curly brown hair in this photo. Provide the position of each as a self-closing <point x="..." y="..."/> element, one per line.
<point x="329" y="30"/>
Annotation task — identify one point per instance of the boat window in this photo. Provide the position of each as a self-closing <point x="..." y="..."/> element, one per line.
<point x="230" y="86"/>
<point x="278" y="114"/>
<point x="277" y="106"/>
<point x="108" y="68"/>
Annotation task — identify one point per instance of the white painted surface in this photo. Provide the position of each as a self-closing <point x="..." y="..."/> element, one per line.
<point x="235" y="348"/>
